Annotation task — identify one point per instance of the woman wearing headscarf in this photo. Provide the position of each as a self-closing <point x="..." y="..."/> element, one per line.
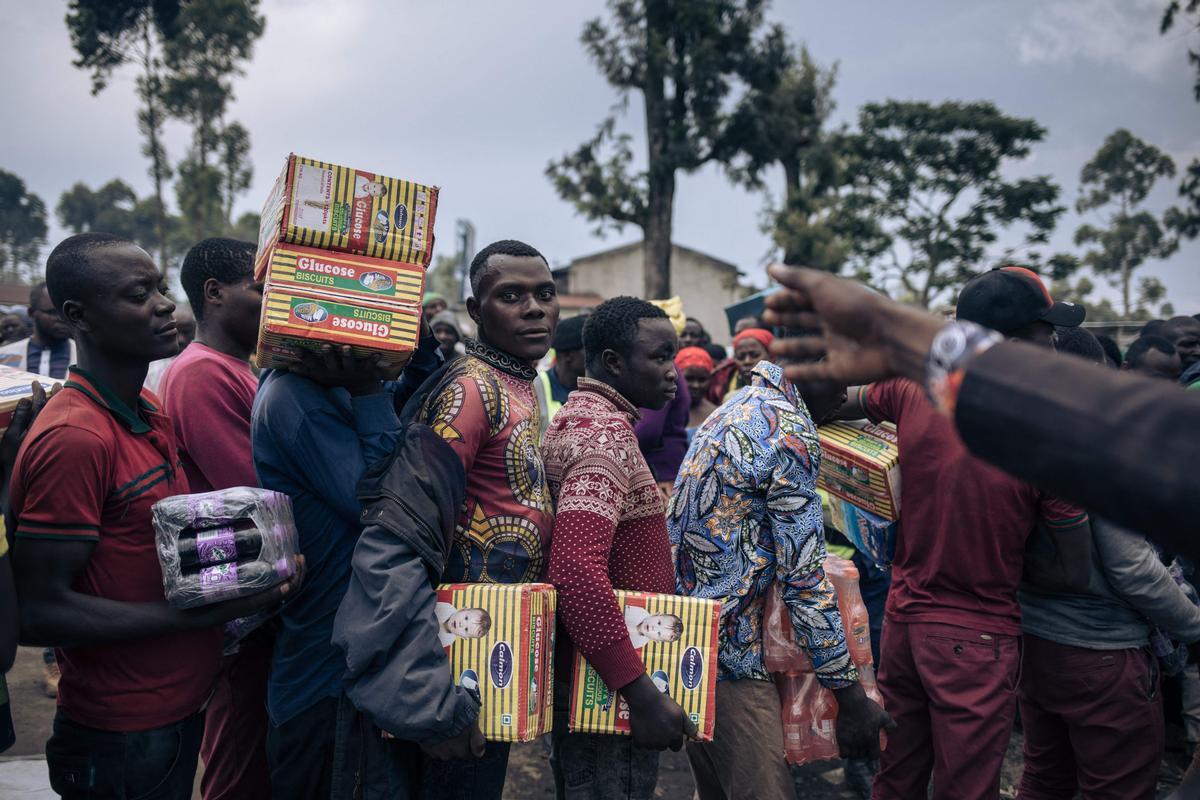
<point x="696" y="366"/>
<point x="749" y="347"/>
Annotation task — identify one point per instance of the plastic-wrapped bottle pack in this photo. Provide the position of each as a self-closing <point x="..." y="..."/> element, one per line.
<point x="225" y="544"/>
<point x="809" y="710"/>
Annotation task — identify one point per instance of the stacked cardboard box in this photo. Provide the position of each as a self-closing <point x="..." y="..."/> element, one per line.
<point x="500" y="641"/>
<point x="14" y="386"/>
<point x="343" y="253"/>
<point x="677" y="638"/>
<point x="860" y="463"/>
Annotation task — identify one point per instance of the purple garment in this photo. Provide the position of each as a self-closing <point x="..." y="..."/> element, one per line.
<point x="662" y="435"/>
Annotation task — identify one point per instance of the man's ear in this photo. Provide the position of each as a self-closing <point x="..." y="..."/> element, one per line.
<point x="612" y="362"/>
<point x="72" y="311"/>
<point x="473" y="310"/>
<point x="213" y="292"/>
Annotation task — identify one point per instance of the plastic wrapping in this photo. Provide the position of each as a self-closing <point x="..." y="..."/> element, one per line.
<point x="809" y="715"/>
<point x="225" y="544"/>
<point x="809" y="710"/>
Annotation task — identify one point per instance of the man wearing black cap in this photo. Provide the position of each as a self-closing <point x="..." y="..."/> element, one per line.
<point x="951" y="638"/>
<point x="553" y="385"/>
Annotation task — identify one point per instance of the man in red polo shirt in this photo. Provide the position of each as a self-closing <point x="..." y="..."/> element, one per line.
<point x="135" y="672"/>
<point x="951" y="637"/>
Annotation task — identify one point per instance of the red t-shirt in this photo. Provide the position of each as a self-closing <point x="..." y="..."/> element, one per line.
<point x="963" y="523"/>
<point x="209" y="395"/>
<point x="89" y="471"/>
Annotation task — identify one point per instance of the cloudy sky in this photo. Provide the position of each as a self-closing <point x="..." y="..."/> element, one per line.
<point x="476" y="96"/>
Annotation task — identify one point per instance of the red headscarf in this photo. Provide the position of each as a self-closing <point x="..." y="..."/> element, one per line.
<point x="761" y="335"/>
<point x="693" y="357"/>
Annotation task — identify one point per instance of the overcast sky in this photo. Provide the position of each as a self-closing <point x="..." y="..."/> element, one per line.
<point x="476" y="96"/>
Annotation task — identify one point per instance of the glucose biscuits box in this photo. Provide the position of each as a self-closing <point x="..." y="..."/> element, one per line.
<point x="293" y="319"/>
<point x="500" y="640"/>
<point x="345" y="276"/>
<point x="15" y="385"/>
<point x="330" y="207"/>
<point x="677" y="637"/>
<point x="860" y="463"/>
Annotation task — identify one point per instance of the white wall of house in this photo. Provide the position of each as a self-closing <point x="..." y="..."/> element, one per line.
<point x="704" y="285"/>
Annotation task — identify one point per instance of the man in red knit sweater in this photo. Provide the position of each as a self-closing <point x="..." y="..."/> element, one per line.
<point x="610" y="533"/>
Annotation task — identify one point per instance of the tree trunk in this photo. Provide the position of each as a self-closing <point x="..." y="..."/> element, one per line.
<point x="656" y="230"/>
<point x="656" y="249"/>
<point x="157" y="167"/>
<point x="1126" y="275"/>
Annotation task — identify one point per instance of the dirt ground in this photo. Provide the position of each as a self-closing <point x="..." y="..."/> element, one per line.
<point x="529" y="775"/>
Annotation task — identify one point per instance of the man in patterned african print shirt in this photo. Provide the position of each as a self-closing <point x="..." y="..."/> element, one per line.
<point x="485" y="409"/>
<point x="745" y="513"/>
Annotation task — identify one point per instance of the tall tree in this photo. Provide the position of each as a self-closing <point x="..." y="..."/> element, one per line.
<point x="931" y="176"/>
<point x="22" y="229"/>
<point x="1189" y="11"/>
<point x="1114" y="184"/>
<point x="781" y="121"/>
<point x="109" y="208"/>
<point x="214" y="39"/>
<point x="108" y="34"/>
<point x="682" y="56"/>
<point x="236" y="169"/>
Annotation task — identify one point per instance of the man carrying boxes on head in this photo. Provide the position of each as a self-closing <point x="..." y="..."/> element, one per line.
<point x="351" y="293"/>
<point x="610" y="533"/>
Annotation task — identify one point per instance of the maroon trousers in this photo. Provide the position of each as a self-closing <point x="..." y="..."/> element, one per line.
<point x="234" y="748"/>
<point x="952" y="693"/>
<point x="1093" y="722"/>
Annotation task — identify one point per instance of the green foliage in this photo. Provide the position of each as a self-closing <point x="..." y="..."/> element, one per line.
<point x="236" y="169"/>
<point x="1173" y="12"/>
<point x="22" y="229"/>
<point x="213" y="41"/>
<point x="1114" y="184"/>
<point x="198" y="192"/>
<point x="109" y="33"/>
<point x="781" y="121"/>
<point x="683" y="57"/>
<point x="246" y="227"/>
<point x="931" y="178"/>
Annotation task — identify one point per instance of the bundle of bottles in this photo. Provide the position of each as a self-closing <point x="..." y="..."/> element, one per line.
<point x="809" y="709"/>
<point x="225" y="544"/>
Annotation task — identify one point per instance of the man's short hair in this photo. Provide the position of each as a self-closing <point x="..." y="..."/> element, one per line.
<point x="1152" y="328"/>
<point x="1172" y="328"/>
<point x="1111" y="349"/>
<point x="229" y="261"/>
<point x="1079" y="342"/>
<point x="1137" y="351"/>
<point x="568" y="336"/>
<point x="614" y="324"/>
<point x="504" y="247"/>
<point x="70" y="274"/>
<point x="35" y="292"/>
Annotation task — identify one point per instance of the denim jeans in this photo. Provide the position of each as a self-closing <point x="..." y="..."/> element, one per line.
<point x="594" y="766"/>
<point x="90" y="764"/>
<point x="300" y="753"/>
<point x="874" y="584"/>
<point x="475" y="779"/>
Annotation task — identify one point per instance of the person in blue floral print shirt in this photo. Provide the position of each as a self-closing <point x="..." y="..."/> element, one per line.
<point x="745" y="514"/>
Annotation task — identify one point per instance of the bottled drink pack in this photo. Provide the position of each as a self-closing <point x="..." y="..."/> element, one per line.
<point x="809" y="710"/>
<point x="225" y="544"/>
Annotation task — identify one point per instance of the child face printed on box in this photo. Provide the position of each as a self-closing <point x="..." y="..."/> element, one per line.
<point x="661" y="627"/>
<point x="372" y="188"/>
<point x="469" y="623"/>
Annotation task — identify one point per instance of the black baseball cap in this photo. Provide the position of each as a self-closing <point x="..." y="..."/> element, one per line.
<point x="1007" y="299"/>
<point x="568" y="336"/>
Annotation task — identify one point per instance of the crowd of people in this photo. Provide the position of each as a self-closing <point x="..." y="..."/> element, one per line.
<point x="618" y="449"/>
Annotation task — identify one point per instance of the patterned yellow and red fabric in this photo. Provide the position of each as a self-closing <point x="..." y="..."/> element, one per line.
<point x="485" y="409"/>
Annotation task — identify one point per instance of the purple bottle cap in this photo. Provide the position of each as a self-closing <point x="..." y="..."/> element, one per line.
<point x="283" y="568"/>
